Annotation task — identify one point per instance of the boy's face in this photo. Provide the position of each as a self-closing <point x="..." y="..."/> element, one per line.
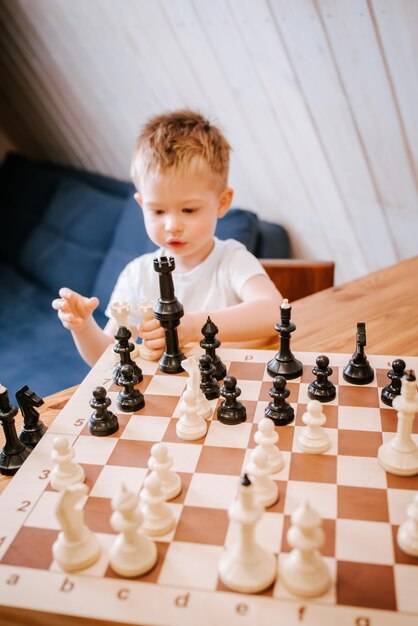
<point x="180" y="214"/>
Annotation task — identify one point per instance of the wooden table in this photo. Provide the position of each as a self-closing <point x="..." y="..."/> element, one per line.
<point x="386" y="300"/>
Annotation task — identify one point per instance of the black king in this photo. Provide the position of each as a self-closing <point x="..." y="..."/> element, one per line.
<point x="168" y="311"/>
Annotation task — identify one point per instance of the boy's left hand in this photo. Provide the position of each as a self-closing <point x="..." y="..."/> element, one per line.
<point x="153" y="336"/>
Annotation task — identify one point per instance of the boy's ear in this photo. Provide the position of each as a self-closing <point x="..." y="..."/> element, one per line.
<point x="225" y="201"/>
<point x="138" y="198"/>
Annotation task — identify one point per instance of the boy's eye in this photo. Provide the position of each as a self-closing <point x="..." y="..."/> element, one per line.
<point x="157" y="212"/>
<point x="189" y="210"/>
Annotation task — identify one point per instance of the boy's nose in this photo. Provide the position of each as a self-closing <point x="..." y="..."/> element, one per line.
<point x="173" y="224"/>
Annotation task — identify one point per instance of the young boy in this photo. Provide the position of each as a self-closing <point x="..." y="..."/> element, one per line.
<point x="180" y="169"/>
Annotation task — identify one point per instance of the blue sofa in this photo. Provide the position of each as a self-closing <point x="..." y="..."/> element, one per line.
<point x="68" y="227"/>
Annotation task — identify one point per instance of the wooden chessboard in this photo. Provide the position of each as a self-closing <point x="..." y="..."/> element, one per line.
<point x="361" y="505"/>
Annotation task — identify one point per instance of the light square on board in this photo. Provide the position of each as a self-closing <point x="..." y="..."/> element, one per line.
<point x="353" y="542"/>
<point x="359" y="418"/>
<point x="202" y="565"/>
<point x="94" y="450"/>
<point x="321" y="496"/>
<point x="145" y="428"/>
<point x="360" y="471"/>
<point x="212" y="490"/>
<point x="43" y="513"/>
<point x="226" y="436"/>
<point x="398" y="502"/>
<point x="405" y="581"/>
<point x="185" y="456"/>
<point x="250" y="390"/>
<point x="166" y="386"/>
<point x="111" y="478"/>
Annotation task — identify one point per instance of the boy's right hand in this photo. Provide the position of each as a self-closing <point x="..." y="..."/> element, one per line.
<point x="74" y="310"/>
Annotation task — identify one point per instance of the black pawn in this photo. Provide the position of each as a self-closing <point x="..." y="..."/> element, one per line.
<point x="210" y="343"/>
<point x="359" y="371"/>
<point x="102" y="422"/>
<point x="33" y="429"/>
<point x="284" y="363"/>
<point x="231" y="411"/>
<point x="393" y="389"/>
<point x="208" y="383"/>
<point x="14" y="452"/>
<point x="129" y="399"/>
<point x="322" y="389"/>
<point x="123" y="347"/>
<point x="279" y="410"/>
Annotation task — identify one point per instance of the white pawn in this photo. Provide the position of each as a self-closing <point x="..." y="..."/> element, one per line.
<point x="267" y="437"/>
<point x="408" y="531"/>
<point x="245" y="566"/>
<point x="76" y="546"/>
<point x="400" y="455"/>
<point x="145" y="311"/>
<point x="158" y="517"/>
<point x="313" y="439"/>
<point x="303" y="571"/>
<point x="190" y="425"/>
<point x="258" y="469"/>
<point x="161" y="462"/>
<point x="132" y="553"/>
<point x="66" y="471"/>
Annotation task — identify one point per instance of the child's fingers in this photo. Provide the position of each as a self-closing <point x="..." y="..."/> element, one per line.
<point x="91" y="304"/>
<point x="158" y="333"/>
<point x="149" y="325"/>
<point x="155" y="344"/>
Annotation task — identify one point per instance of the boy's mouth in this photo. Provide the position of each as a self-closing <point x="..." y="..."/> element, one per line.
<point x="176" y="243"/>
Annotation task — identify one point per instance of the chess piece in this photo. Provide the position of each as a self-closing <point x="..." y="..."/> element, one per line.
<point x="210" y="344"/>
<point x="407" y="536"/>
<point x="279" y="410"/>
<point x="313" y="439"/>
<point x="258" y="470"/>
<point x="303" y="570"/>
<point x="245" y="566"/>
<point x="321" y="388"/>
<point x="168" y="311"/>
<point x="161" y="463"/>
<point x="208" y="384"/>
<point x="284" y="363"/>
<point x="190" y="426"/>
<point x="132" y="552"/>
<point x="158" y="516"/>
<point x="102" y="422"/>
<point x="267" y="437"/>
<point x="204" y="407"/>
<point x="33" y="429"/>
<point x="393" y="389"/>
<point x="129" y="399"/>
<point x="145" y="310"/>
<point x="14" y="452"/>
<point x="120" y="313"/>
<point x="231" y="411"/>
<point x="76" y="546"/>
<point x="400" y="455"/>
<point x="123" y="347"/>
<point x="359" y="371"/>
<point x="66" y="471"/>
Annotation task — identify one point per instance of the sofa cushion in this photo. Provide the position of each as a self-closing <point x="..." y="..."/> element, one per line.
<point x="69" y="244"/>
<point x="241" y="225"/>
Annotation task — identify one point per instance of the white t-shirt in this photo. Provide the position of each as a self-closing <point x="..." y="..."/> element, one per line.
<point x="216" y="283"/>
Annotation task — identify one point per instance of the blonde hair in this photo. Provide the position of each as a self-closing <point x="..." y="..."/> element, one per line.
<point x="180" y="141"/>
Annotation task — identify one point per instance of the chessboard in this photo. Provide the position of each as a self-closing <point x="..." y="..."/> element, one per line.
<point x="361" y="507"/>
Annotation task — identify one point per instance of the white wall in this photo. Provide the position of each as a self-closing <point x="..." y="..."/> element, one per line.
<point x="319" y="99"/>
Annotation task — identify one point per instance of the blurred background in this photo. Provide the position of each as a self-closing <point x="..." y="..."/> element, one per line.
<point x="319" y="99"/>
